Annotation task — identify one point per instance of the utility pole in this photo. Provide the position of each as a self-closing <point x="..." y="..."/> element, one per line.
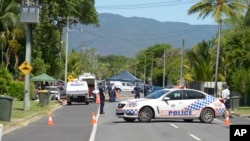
<point x="217" y="59"/>
<point x="81" y="57"/>
<point x="67" y="45"/>
<point x="29" y="14"/>
<point x="152" y="64"/>
<point x="164" y="68"/>
<point x="181" y="72"/>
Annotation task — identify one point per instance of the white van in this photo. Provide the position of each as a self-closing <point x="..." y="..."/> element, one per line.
<point x="77" y="92"/>
<point x="123" y="86"/>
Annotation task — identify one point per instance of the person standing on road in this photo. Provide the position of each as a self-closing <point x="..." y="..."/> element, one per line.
<point x="137" y="91"/>
<point x="226" y="98"/>
<point x="102" y="98"/>
<point x="113" y="90"/>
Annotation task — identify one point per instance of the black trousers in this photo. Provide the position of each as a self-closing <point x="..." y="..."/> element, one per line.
<point x="102" y="105"/>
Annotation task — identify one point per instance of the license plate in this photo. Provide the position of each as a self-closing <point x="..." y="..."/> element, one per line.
<point x="119" y="111"/>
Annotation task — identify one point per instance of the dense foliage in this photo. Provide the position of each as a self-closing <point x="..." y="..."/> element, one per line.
<point x="159" y="64"/>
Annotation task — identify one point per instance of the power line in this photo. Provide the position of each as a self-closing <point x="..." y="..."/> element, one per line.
<point x="147" y="5"/>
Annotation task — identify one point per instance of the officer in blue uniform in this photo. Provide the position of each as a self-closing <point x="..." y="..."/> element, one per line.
<point x="137" y="91"/>
<point x="102" y="98"/>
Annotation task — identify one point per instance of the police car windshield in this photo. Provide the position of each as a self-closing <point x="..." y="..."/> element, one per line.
<point x="157" y="94"/>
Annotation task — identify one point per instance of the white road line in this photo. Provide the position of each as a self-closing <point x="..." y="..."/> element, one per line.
<point x="175" y="126"/>
<point x="193" y="136"/>
<point x="198" y="139"/>
<point x="94" y="129"/>
<point x="218" y="120"/>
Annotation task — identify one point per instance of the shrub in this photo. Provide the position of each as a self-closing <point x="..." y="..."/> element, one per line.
<point x="16" y="90"/>
<point x="4" y="80"/>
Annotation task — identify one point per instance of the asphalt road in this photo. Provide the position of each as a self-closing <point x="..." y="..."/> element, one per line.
<point x="73" y="123"/>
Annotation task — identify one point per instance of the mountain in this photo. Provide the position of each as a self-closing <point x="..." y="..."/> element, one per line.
<point x="125" y="36"/>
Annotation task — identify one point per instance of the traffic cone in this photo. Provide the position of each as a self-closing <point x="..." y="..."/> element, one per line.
<point x="97" y="99"/>
<point x="93" y="118"/>
<point x="227" y="121"/>
<point x="50" y="121"/>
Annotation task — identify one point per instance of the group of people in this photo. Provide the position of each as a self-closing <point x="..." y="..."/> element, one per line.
<point x="111" y="93"/>
<point x="138" y="90"/>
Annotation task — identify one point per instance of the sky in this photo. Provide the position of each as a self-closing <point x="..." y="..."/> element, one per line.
<point x="161" y="10"/>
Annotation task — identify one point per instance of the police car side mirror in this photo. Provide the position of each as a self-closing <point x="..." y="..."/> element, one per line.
<point x="166" y="98"/>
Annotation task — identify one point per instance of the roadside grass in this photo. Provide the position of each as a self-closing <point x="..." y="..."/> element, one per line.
<point x="243" y="111"/>
<point x="18" y="113"/>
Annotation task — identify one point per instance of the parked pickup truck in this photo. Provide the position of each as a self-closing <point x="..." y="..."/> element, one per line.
<point x="77" y="91"/>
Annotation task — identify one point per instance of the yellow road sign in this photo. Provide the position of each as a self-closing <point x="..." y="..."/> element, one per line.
<point x="70" y="78"/>
<point x="25" y="67"/>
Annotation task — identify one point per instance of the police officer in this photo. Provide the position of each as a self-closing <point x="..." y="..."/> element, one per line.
<point x="102" y="98"/>
<point x="137" y="91"/>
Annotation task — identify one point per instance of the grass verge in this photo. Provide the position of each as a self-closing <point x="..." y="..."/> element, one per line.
<point x="243" y="111"/>
<point x="18" y="113"/>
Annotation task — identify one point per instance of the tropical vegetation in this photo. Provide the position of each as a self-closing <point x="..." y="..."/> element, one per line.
<point x="224" y="58"/>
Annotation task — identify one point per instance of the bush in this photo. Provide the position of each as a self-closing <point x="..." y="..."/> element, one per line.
<point x="4" y="80"/>
<point x="16" y="90"/>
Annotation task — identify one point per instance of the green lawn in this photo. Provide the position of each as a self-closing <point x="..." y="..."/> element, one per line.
<point x="18" y="112"/>
<point x="243" y="110"/>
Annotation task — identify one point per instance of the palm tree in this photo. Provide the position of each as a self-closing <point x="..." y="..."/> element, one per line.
<point x="8" y="21"/>
<point x="219" y="9"/>
<point x="201" y="61"/>
<point x="3" y="43"/>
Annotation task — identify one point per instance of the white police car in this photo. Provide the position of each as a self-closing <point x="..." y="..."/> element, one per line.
<point x="186" y="104"/>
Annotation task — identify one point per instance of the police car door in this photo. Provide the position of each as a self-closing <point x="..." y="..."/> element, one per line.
<point x="171" y="105"/>
<point x="194" y="102"/>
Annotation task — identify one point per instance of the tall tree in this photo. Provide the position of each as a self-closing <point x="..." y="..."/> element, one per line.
<point x="219" y="9"/>
<point x="8" y="22"/>
<point x="201" y="62"/>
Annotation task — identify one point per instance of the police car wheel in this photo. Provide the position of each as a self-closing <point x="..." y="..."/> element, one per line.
<point x="129" y="119"/>
<point x="207" y="115"/>
<point x="145" y="114"/>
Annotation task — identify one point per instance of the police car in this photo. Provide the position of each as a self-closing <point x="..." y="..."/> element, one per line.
<point x="186" y="104"/>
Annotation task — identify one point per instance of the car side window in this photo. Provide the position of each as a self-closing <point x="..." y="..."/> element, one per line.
<point x="189" y="94"/>
<point x="175" y="95"/>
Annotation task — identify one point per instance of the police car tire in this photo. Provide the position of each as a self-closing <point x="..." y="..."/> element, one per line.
<point x="204" y="115"/>
<point x="69" y="103"/>
<point x="145" y="114"/>
<point x="129" y="119"/>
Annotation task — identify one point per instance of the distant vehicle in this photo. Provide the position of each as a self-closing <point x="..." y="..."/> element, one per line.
<point x="123" y="86"/>
<point x="91" y="82"/>
<point x="54" y="92"/>
<point x="186" y="104"/>
<point x="155" y="88"/>
<point x="77" y="91"/>
<point x="62" y="91"/>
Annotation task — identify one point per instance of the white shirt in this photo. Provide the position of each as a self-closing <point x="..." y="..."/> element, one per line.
<point x="226" y="94"/>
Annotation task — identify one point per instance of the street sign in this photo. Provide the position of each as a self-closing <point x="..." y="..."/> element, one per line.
<point x="70" y="78"/>
<point x="25" y="67"/>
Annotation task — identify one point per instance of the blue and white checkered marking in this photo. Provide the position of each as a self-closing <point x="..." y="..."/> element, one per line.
<point x="130" y="111"/>
<point x="220" y="111"/>
<point x="201" y="103"/>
